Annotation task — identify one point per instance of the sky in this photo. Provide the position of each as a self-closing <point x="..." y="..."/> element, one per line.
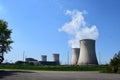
<point x="44" y="27"/>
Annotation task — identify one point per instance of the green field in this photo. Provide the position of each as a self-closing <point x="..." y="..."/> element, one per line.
<point x="100" y="68"/>
<point x="54" y="68"/>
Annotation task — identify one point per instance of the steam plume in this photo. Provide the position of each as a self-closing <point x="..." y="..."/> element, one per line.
<point x="78" y="29"/>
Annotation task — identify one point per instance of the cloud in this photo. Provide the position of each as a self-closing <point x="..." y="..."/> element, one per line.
<point x="73" y="26"/>
<point x="78" y="29"/>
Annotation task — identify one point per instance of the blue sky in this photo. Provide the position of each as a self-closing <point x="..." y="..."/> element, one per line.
<point x="36" y="24"/>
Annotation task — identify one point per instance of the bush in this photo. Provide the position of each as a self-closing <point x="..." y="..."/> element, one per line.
<point x="107" y="69"/>
<point x="115" y="62"/>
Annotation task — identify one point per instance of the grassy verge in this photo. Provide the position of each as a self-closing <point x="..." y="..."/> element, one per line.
<point x="53" y="68"/>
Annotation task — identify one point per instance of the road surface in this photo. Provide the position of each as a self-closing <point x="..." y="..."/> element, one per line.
<point x="56" y="75"/>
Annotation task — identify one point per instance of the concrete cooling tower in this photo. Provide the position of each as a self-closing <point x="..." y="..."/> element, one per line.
<point x="87" y="52"/>
<point x="56" y="58"/>
<point x="75" y="56"/>
<point x="43" y="58"/>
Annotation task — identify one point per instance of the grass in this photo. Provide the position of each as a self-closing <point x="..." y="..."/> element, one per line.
<point x="102" y="68"/>
<point x="53" y="68"/>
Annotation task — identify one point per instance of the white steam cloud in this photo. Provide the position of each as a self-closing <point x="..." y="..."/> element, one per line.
<point x="78" y="29"/>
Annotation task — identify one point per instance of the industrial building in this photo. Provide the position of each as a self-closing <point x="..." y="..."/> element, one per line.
<point x="75" y="56"/>
<point x="44" y="58"/>
<point x="54" y="62"/>
<point x="87" y="52"/>
<point x="56" y="58"/>
<point x="44" y="61"/>
<point x="32" y="61"/>
<point x="86" y="55"/>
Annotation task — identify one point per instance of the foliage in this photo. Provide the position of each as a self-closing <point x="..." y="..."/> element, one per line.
<point x="5" y="37"/>
<point x="115" y="62"/>
<point x="19" y="62"/>
<point x="107" y="69"/>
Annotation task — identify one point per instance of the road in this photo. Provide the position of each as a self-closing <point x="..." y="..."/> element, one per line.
<point x="55" y="75"/>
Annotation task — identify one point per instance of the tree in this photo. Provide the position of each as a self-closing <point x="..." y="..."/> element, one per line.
<point x="5" y="39"/>
<point x="115" y="62"/>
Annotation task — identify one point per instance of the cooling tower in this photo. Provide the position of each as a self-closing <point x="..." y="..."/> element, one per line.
<point x="75" y="56"/>
<point x="56" y="58"/>
<point x="43" y="58"/>
<point x="87" y="52"/>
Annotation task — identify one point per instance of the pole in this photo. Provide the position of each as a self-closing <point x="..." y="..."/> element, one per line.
<point x="68" y="57"/>
<point x="99" y="58"/>
<point x="23" y="55"/>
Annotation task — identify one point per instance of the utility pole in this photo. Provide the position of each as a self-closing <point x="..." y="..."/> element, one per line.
<point x="68" y="57"/>
<point x="99" y="58"/>
<point x="23" y="55"/>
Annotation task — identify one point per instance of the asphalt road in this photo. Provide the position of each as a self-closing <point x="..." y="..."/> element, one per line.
<point x="55" y="75"/>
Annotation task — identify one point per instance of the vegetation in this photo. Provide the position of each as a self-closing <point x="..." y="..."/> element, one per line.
<point x="115" y="62"/>
<point x="114" y="65"/>
<point x="5" y="39"/>
<point x="52" y="68"/>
